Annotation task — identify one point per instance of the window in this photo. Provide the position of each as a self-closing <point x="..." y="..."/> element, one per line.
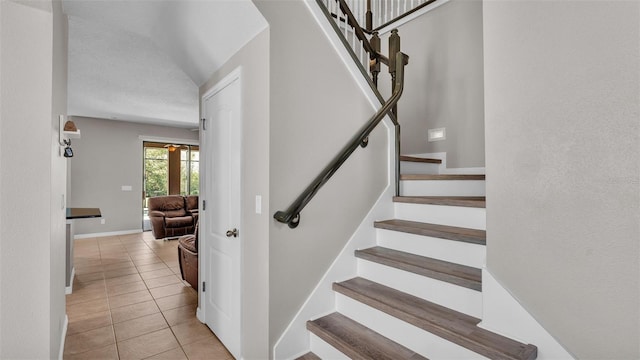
<point x="190" y="171"/>
<point x="156" y="171"/>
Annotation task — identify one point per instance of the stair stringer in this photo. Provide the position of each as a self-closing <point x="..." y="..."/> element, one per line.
<point x="295" y="340"/>
<point x="503" y="314"/>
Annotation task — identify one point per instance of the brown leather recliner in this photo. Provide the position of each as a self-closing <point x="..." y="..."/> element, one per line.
<point x="169" y="216"/>
<point x="188" y="258"/>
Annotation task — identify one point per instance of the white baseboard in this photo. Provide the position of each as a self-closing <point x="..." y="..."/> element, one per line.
<point x="69" y="289"/>
<point x="110" y="233"/>
<point x="295" y="339"/>
<point x="503" y="314"/>
<point x="63" y="337"/>
<point x="200" y="315"/>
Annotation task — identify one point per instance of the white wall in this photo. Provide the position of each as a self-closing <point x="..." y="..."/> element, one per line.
<point x="58" y="180"/>
<point x="25" y="180"/>
<point x="443" y="82"/>
<point x="255" y="169"/>
<point x="562" y="149"/>
<point x="106" y="157"/>
<point x="315" y="108"/>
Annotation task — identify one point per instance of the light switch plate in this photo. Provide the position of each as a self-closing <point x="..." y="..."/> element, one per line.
<point x="436" y="134"/>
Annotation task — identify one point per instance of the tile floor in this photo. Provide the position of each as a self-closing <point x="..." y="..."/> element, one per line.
<point x="129" y="302"/>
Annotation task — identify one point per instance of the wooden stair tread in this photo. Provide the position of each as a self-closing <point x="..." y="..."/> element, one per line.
<point x="472" y="236"/>
<point x="466" y="201"/>
<point x="453" y="273"/>
<point x="419" y="159"/>
<point x="358" y="341"/>
<point x="451" y="325"/>
<point x="441" y="177"/>
<point x="309" y="356"/>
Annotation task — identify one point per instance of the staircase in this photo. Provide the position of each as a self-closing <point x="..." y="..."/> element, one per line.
<point x="417" y="293"/>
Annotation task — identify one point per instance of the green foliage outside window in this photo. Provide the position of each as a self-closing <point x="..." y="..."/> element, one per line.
<point x="156" y="171"/>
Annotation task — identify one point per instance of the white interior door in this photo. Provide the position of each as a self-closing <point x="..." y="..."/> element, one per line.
<point x="221" y="245"/>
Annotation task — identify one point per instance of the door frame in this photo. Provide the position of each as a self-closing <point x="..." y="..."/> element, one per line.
<point x="232" y="76"/>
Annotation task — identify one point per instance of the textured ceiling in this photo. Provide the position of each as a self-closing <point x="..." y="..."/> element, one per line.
<point x="143" y="61"/>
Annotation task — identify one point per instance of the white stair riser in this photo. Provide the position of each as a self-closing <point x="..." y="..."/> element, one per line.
<point x="443" y="293"/>
<point x="414" y="338"/>
<point x="466" y="217"/>
<point x="409" y="167"/>
<point x="442" y="188"/>
<point x="324" y="350"/>
<point x="458" y="252"/>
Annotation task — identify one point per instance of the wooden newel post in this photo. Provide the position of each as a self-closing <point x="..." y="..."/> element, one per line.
<point x="374" y="62"/>
<point x="394" y="48"/>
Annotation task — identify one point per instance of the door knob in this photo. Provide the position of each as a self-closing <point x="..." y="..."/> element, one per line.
<point x="233" y="233"/>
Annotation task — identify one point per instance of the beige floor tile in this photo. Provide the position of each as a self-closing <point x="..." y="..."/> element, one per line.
<point x="180" y="315"/>
<point x="115" y="257"/>
<point x="81" y="270"/>
<point x="136" y="246"/>
<point x="114" y="264"/>
<point x="126" y="288"/>
<point x="134" y="311"/>
<point x="168" y="258"/>
<point x="138" y="254"/>
<point x="84" y="262"/>
<point x="84" y="295"/>
<point x="90" y="277"/>
<point x="191" y="331"/>
<point x="173" y="263"/>
<point x="89" y="340"/>
<point x="171" y="279"/>
<point x="87" y="259"/>
<point x="130" y="298"/>
<point x="175" y="301"/>
<point x="168" y="290"/>
<point x="151" y="267"/>
<point x="207" y="349"/>
<point x="120" y="272"/>
<point x="110" y="261"/>
<point x="156" y="273"/>
<point x="80" y="285"/>
<point x="173" y="354"/>
<point x="130" y="237"/>
<point x="89" y="322"/>
<point x="90" y="307"/>
<point x="147" y="345"/>
<point x="109" y="352"/>
<point x="122" y="280"/>
<point x="146" y="259"/>
<point x="168" y="253"/>
<point x="112" y="251"/>
<point x="140" y="326"/>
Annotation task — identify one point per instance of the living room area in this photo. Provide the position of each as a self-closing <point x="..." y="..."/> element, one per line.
<point x="129" y="297"/>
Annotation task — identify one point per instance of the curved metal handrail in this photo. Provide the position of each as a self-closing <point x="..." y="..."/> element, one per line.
<point x="291" y="216"/>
